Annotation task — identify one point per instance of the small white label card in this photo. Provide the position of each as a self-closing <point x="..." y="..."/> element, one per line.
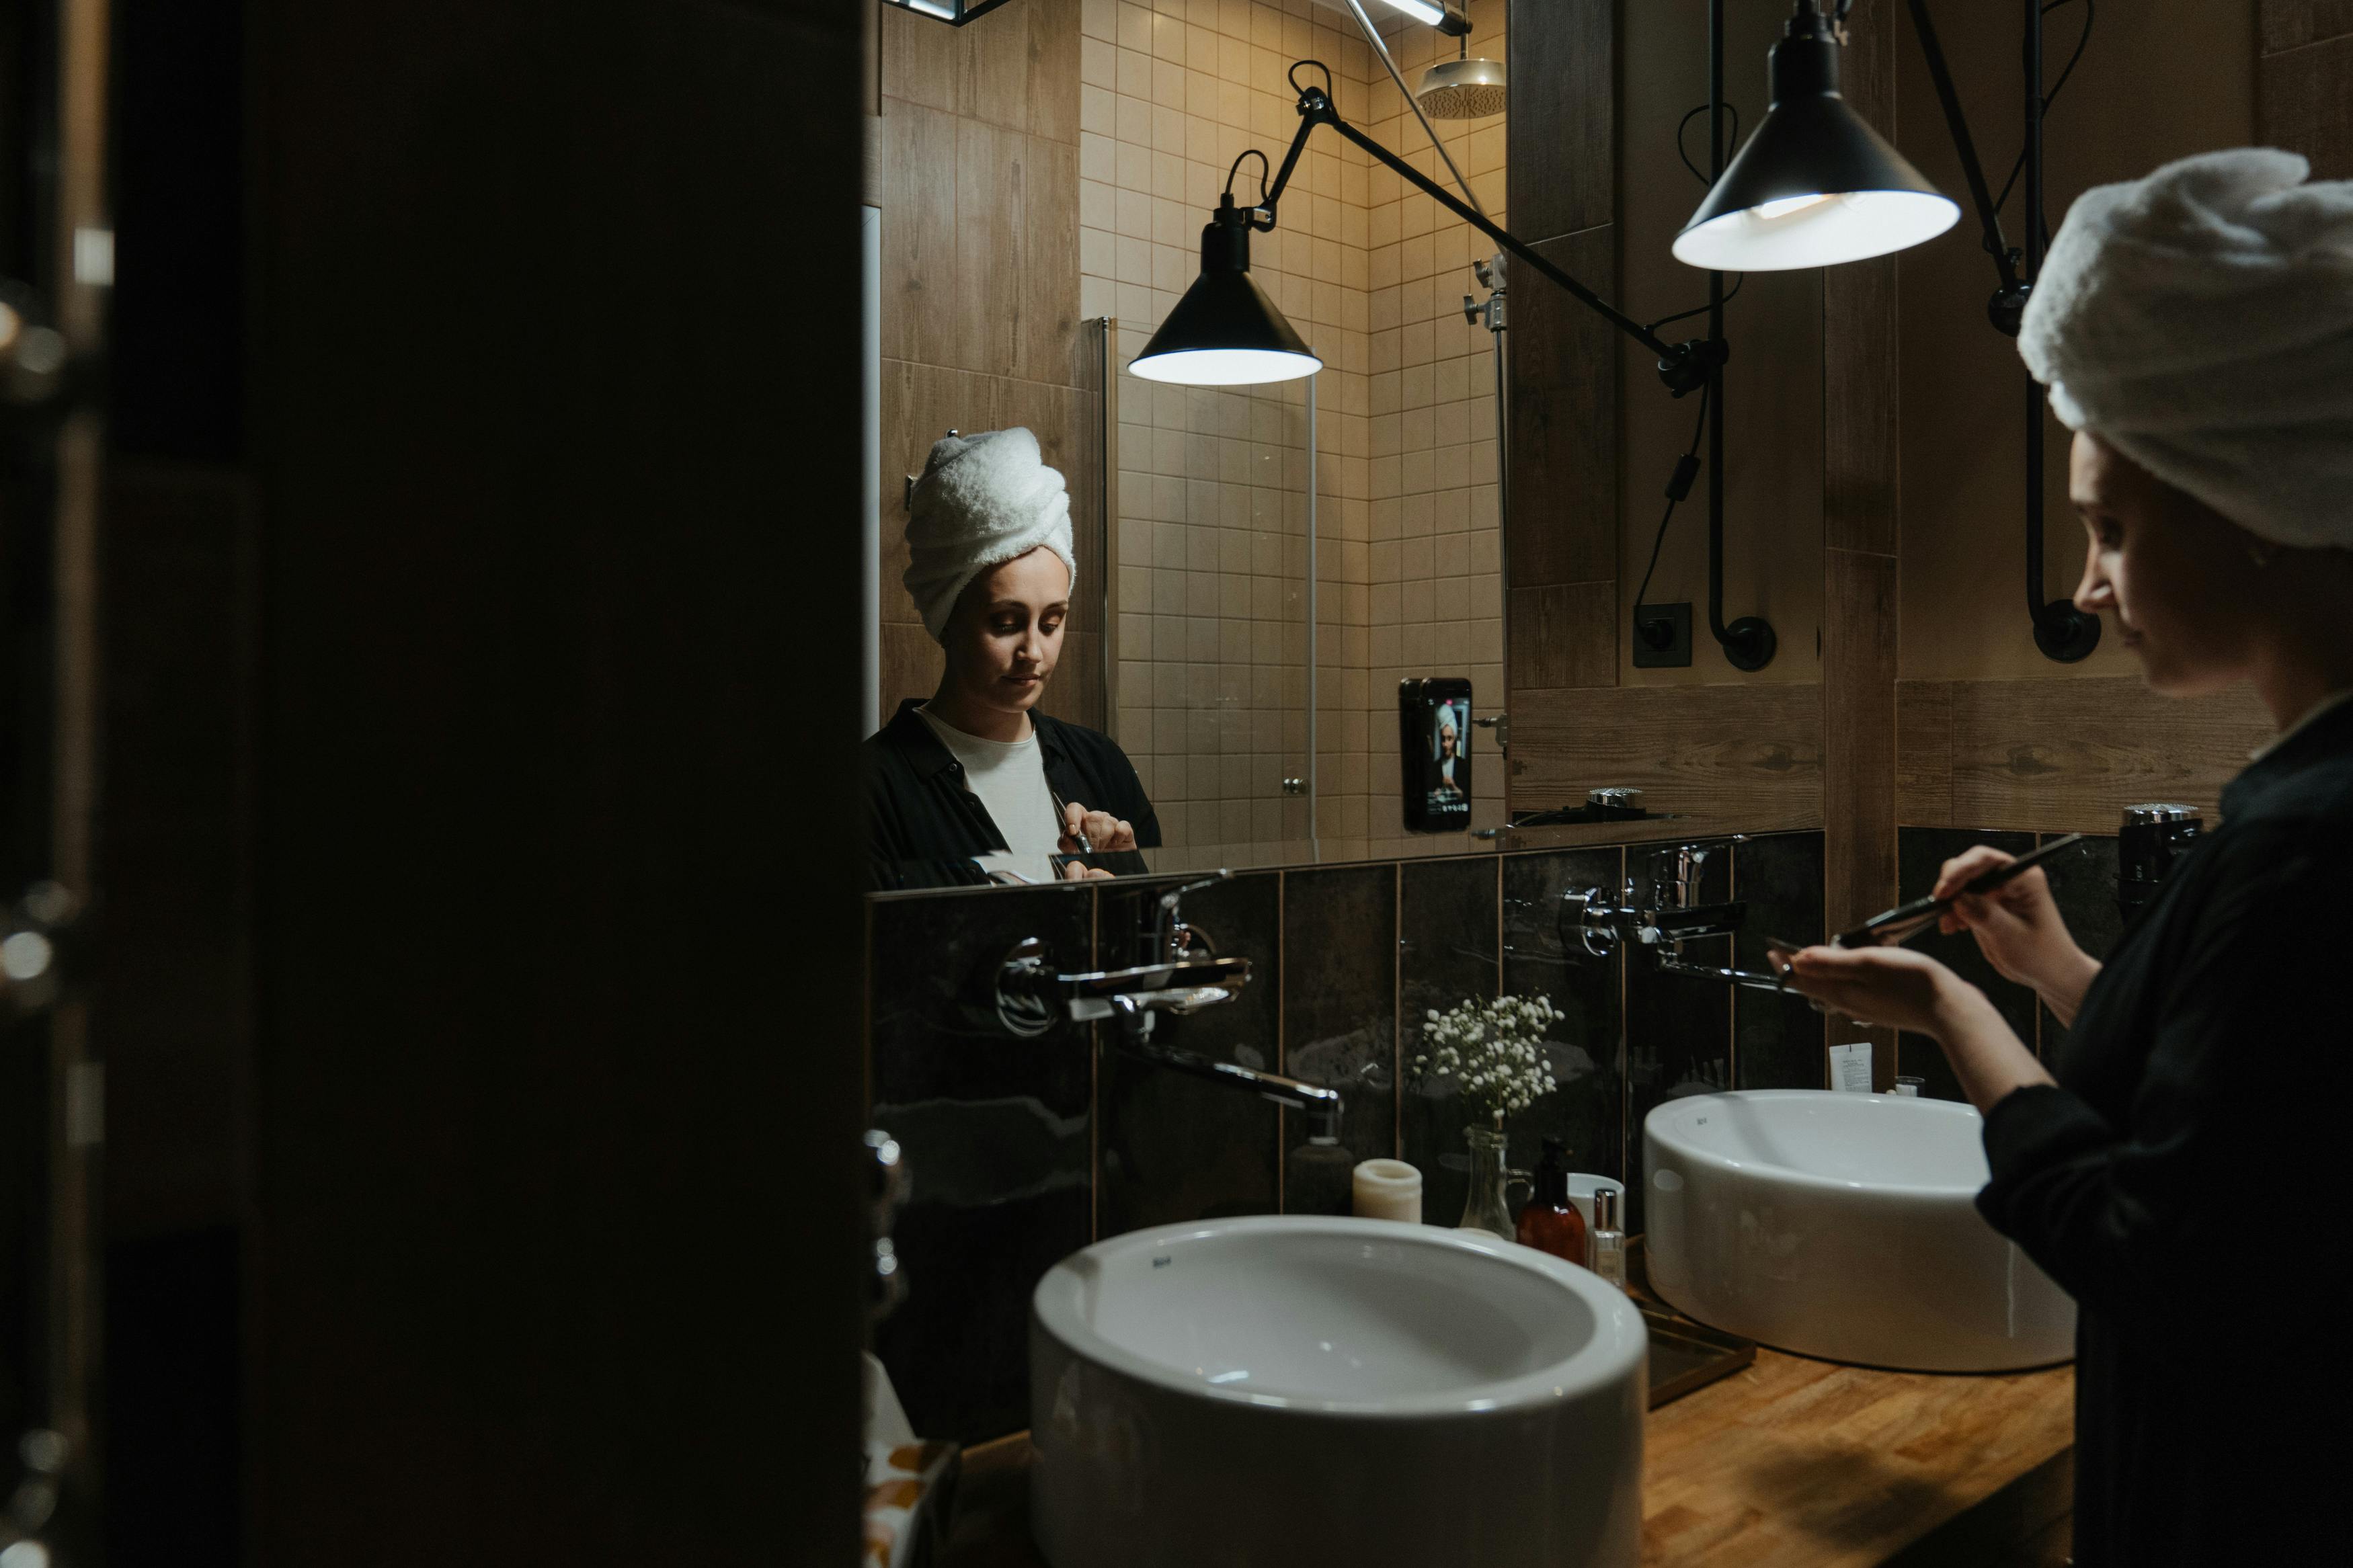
<point x="1850" y="1068"/>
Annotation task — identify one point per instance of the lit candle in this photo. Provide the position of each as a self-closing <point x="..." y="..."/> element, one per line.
<point x="1388" y="1189"/>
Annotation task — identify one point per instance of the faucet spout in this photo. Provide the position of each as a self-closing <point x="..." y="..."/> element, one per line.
<point x="1321" y="1106"/>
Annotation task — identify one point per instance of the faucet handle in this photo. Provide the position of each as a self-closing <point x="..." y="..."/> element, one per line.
<point x="886" y="1167"/>
<point x="1165" y="929"/>
<point x="1169" y="899"/>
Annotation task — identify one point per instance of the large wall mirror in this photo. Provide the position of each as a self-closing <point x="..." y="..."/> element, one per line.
<point x="1263" y="567"/>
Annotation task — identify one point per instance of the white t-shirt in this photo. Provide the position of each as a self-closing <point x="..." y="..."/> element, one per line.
<point x="1010" y="777"/>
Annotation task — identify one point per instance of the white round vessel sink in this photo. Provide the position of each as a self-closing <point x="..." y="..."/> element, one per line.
<point x="1842" y="1226"/>
<point x="1289" y="1390"/>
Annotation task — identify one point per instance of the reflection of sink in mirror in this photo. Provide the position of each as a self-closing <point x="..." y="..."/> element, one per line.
<point x="1290" y="1389"/>
<point x="1842" y="1226"/>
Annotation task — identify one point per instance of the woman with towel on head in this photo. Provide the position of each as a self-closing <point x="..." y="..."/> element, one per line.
<point x="2178" y="1164"/>
<point x="974" y="785"/>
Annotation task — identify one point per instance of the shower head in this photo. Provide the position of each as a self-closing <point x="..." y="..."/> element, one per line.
<point x="1462" y="89"/>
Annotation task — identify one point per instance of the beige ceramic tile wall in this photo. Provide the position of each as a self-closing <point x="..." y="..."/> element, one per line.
<point x="1436" y="548"/>
<point x="1211" y="497"/>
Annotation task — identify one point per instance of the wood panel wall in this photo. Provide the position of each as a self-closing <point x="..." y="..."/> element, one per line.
<point x="1861" y="409"/>
<point x="2068" y="750"/>
<point x="1560" y="536"/>
<point x="2304" y="82"/>
<point x="1863" y="753"/>
<point x="2063" y="756"/>
<point x="979" y="153"/>
<point x="1729" y="756"/>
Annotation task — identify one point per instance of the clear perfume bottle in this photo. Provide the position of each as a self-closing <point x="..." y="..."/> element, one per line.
<point x="1604" y="1244"/>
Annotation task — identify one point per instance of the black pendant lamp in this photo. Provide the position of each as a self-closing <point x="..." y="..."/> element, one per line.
<point x="1225" y="332"/>
<point x="1816" y="186"/>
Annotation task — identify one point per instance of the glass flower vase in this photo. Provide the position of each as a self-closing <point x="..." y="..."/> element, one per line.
<point x="1487" y="1207"/>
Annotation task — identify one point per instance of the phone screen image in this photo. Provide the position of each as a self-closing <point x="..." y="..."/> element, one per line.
<point x="1434" y="738"/>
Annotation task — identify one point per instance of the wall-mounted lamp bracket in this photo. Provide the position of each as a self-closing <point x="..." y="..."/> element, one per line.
<point x="2061" y="631"/>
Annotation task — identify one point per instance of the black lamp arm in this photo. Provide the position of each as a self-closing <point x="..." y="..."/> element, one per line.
<point x="1683" y="367"/>
<point x="2012" y="295"/>
<point x="2061" y="631"/>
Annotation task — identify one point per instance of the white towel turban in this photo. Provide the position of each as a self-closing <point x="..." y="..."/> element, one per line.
<point x="2200" y="321"/>
<point x="983" y="500"/>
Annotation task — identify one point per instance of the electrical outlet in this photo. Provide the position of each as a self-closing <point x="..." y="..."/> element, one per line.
<point x="1675" y="621"/>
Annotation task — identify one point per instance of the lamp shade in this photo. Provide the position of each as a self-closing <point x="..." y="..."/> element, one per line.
<point x="1225" y="332"/>
<point x="1816" y="186"/>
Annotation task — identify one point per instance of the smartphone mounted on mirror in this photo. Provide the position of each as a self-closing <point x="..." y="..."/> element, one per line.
<point x="1434" y="754"/>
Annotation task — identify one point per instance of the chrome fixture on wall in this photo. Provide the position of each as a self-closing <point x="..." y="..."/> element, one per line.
<point x="1178" y="975"/>
<point x="2151" y="839"/>
<point x="1590" y="922"/>
<point x="1463" y="87"/>
<point x="886" y="1174"/>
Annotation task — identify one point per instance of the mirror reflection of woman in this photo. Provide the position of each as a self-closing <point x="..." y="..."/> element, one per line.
<point x="2178" y="1162"/>
<point x="973" y="783"/>
<point x="1448" y="747"/>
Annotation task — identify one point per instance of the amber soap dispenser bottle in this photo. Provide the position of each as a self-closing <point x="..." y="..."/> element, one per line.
<point x="1550" y="1223"/>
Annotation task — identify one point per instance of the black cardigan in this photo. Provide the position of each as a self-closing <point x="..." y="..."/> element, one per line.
<point x="924" y="826"/>
<point x="2188" y="1182"/>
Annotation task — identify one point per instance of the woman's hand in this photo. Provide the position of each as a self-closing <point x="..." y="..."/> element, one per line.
<point x="1077" y="871"/>
<point x="1912" y="990"/>
<point x="1099" y="830"/>
<point x="2017" y="927"/>
<point x="1890" y="985"/>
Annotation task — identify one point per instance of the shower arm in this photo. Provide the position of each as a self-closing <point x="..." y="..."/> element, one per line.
<point x="1683" y="367"/>
<point x="1373" y="37"/>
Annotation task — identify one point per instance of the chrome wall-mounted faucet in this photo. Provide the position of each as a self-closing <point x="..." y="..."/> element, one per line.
<point x="1178" y="976"/>
<point x="1590" y="922"/>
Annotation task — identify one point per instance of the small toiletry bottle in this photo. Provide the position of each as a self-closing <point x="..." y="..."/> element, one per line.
<point x="1607" y="1251"/>
<point x="1550" y="1223"/>
<point x="1388" y="1189"/>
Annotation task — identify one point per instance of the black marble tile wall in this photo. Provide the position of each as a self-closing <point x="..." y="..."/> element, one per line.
<point x="996" y="1137"/>
<point x="1920" y="855"/>
<point x="1449" y="952"/>
<point x="1678" y="1028"/>
<point x="1339" y="1023"/>
<point x="1174" y="1147"/>
<point x="1024" y="1151"/>
<point x="1586" y="1050"/>
<point x="2084" y="885"/>
<point x="1776" y="1041"/>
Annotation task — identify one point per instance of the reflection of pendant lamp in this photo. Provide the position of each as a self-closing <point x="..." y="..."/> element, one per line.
<point x="1816" y="186"/>
<point x="1226" y="313"/>
<point x="1225" y="332"/>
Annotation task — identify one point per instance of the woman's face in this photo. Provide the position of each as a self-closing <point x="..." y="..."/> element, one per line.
<point x="2176" y="577"/>
<point x="1446" y="741"/>
<point x="1005" y="631"/>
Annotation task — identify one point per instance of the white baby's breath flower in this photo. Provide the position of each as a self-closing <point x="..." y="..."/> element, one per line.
<point x="1493" y="1050"/>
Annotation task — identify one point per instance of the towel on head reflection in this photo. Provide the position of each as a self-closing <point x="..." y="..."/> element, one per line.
<point x="2200" y="321"/>
<point x="982" y="501"/>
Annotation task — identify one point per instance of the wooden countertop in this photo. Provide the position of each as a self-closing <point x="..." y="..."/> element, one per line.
<point x="1790" y="1463"/>
<point x="1815" y="1465"/>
